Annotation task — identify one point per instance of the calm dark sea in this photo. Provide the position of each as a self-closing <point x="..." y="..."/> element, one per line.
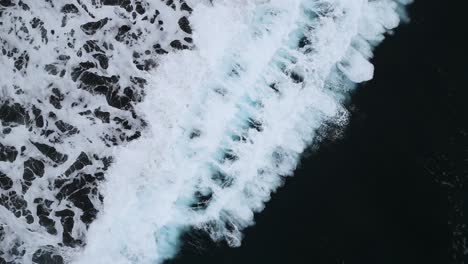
<point x="393" y="189"/>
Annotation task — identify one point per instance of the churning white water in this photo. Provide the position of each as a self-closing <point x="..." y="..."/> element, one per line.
<point x="229" y="119"/>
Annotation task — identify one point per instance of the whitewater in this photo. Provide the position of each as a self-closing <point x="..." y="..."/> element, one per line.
<point x="225" y="122"/>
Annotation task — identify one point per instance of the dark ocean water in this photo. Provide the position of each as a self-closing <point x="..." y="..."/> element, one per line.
<point x="394" y="188"/>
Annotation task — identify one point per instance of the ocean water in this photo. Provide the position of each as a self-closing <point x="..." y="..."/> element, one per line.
<point x="392" y="187"/>
<point x="182" y="135"/>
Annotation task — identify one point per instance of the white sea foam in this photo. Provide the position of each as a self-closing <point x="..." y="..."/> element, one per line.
<point x="229" y="119"/>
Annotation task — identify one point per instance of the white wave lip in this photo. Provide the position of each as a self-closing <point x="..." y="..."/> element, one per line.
<point x="230" y="118"/>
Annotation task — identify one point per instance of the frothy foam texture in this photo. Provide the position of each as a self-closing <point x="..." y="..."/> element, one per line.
<point x="227" y="120"/>
<point x="230" y="119"/>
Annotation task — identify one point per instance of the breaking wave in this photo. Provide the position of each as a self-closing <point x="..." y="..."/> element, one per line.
<point x="225" y="120"/>
<point x="229" y="119"/>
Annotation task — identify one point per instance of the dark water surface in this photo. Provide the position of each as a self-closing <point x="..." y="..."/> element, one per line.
<point x="394" y="188"/>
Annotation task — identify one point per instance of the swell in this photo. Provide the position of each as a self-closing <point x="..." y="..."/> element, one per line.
<point x="230" y="119"/>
